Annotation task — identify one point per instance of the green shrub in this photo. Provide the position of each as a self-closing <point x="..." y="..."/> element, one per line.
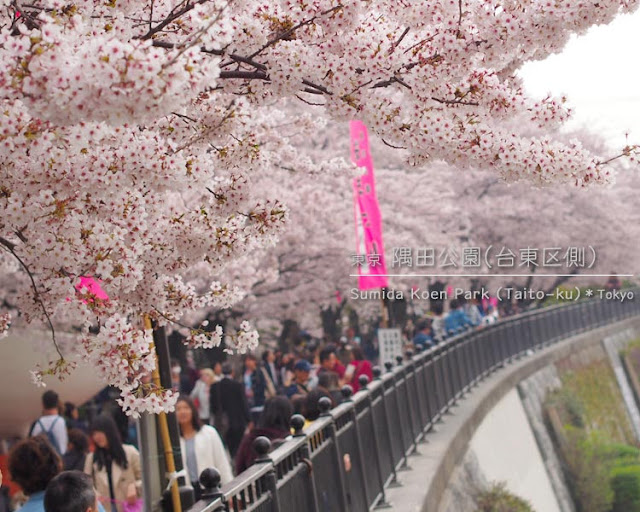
<point x="621" y="454"/>
<point x="588" y="471"/>
<point x="625" y="482"/>
<point x="499" y="499"/>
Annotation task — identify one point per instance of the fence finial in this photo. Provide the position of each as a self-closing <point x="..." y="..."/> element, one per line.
<point x="262" y="445"/>
<point x="210" y="480"/>
<point x="347" y="392"/>
<point x="297" y="424"/>
<point x="324" y="404"/>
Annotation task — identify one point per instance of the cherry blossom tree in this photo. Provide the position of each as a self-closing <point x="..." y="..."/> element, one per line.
<point x="133" y="135"/>
<point x="427" y="209"/>
<point x="519" y="217"/>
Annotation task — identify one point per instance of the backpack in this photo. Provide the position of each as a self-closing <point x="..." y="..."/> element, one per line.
<point x="50" y="435"/>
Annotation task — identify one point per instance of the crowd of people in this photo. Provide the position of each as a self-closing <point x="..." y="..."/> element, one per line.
<point x="59" y="441"/>
<point x="226" y="408"/>
<point x="220" y="411"/>
<point x="462" y="315"/>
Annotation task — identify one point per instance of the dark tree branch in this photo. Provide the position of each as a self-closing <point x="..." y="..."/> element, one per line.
<point x="244" y="75"/>
<point x="391" y="145"/>
<point x="173" y="16"/>
<point x="455" y="102"/>
<point x="625" y="152"/>
<point x="320" y="88"/>
<point x="309" y="102"/>
<point x="37" y="296"/>
<point x="312" y="91"/>
<point x="167" y="44"/>
<point x="397" y="43"/>
<point x="9" y="245"/>
<point x="244" y="60"/>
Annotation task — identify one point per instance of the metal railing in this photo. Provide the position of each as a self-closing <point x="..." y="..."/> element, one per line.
<point x="382" y="424"/>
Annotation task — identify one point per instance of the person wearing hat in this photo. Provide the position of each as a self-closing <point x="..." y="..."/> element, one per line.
<point x="299" y="386"/>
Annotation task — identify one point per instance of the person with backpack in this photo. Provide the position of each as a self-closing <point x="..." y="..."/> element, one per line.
<point x="51" y="423"/>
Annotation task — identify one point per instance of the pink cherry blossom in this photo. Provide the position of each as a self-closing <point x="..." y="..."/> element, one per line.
<point x="145" y="145"/>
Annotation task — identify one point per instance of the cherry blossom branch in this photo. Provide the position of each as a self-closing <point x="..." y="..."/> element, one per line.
<point x="208" y="130"/>
<point x="245" y="75"/>
<point x="291" y="30"/>
<point x="311" y="91"/>
<point x="235" y="59"/>
<point x="30" y="21"/>
<point x="320" y="88"/>
<point x="171" y="17"/>
<point x="397" y="43"/>
<point x="391" y="81"/>
<point x="391" y="145"/>
<point x="455" y="102"/>
<point x="310" y="102"/>
<point x="169" y="45"/>
<point x="169" y="319"/>
<point x="421" y="43"/>
<point x="193" y="39"/>
<point x="9" y="245"/>
<point x="625" y="152"/>
<point x="37" y="296"/>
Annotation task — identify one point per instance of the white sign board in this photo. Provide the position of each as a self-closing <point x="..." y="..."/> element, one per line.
<point x="390" y="343"/>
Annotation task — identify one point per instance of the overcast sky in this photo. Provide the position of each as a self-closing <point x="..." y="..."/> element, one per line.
<point x="600" y="74"/>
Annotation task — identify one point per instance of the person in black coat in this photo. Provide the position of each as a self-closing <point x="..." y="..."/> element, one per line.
<point x="228" y="405"/>
<point x="76" y="453"/>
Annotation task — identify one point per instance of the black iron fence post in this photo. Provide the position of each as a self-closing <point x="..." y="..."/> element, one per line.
<point x="405" y="461"/>
<point x="261" y="446"/>
<point x="297" y="423"/>
<point x="413" y="365"/>
<point x="363" y="380"/>
<point x="394" y="476"/>
<point x="324" y="404"/>
<point x="406" y="367"/>
<point x="347" y="393"/>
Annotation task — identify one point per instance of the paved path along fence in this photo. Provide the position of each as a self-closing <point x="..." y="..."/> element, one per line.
<point x="381" y="425"/>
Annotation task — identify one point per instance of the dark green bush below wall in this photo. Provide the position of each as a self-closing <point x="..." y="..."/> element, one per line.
<point x="625" y="482"/>
<point x="499" y="499"/>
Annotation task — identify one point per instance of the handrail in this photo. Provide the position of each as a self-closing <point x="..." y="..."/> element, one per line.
<point x="344" y="460"/>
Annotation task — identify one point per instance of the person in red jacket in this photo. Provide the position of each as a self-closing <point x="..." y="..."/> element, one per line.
<point x="358" y="366"/>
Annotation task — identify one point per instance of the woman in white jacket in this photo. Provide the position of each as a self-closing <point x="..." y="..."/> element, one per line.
<point x="200" y="445"/>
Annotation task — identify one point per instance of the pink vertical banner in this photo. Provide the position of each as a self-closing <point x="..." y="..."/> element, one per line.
<point x="370" y="249"/>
